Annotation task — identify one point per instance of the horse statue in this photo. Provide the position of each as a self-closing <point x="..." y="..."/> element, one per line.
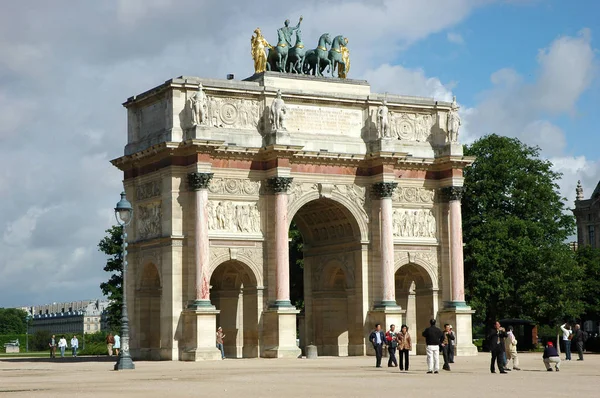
<point x="295" y="61"/>
<point x="335" y="55"/>
<point x="277" y="58"/>
<point x="317" y="60"/>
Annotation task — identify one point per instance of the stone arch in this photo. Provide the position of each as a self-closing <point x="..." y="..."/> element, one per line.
<point x="403" y="259"/>
<point x="148" y="266"/>
<point x="358" y="214"/>
<point x="330" y="277"/>
<point x="147" y="304"/>
<point x="235" y="254"/>
<point x="234" y="292"/>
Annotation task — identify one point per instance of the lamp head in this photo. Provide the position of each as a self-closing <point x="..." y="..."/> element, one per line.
<point x="123" y="211"/>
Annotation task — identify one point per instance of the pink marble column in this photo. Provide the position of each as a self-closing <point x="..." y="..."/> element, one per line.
<point x="384" y="190"/>
<point x="198" y="183"/>
<point x="279" y="186"/>
<point x="456" y="244"/>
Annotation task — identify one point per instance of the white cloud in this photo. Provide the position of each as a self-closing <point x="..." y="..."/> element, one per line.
<point x="455" y="38"/>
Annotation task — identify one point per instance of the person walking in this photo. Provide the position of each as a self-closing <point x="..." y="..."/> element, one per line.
<point x="392" y="344"/>
<point x="496" y="342"/>
<point x="220" y="337"/>
<point x="551" y="356"/>
<point x="579" y="339"/>
<point x="510" y="347"/>
<point x="110" y="341"/>
<point x="433" y="336"/>
<point x="445" y="343"/>
<point x="117" y="345"/>
<point x="377" y="338"/>
<point x="567" y="335"/>
<point x="452" y="348"/>
<point x="74" y="346"/>
<point x="52" y="345"/>
<point x="404" y="347"/>
<point x="62" y="345"/>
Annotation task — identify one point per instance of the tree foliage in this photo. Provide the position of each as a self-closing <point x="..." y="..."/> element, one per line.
<point x="515" y="226"/>
<point x="12" y="321"/>
<point x="111" y="245"/>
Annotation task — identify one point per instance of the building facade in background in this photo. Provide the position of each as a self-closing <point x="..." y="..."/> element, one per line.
<point x="587" y="214"/>
<point x="77" y="317"/>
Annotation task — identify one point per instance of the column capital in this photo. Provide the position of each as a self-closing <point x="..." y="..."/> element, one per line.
<point x="279" y="184"/>
<point x="199" y="181"/>
<point x="453" y="193"/>
<point x="384" y="189"/>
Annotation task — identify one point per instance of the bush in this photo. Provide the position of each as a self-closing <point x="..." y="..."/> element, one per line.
<point x="39" y="340"/>
<point x="93" y="349"/>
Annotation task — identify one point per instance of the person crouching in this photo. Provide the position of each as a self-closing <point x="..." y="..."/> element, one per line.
<point x="551" y="357"/>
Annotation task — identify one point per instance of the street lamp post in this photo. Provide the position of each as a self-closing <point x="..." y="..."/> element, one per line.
<point x="124" y="214"/>
<point x="27" y="319"/>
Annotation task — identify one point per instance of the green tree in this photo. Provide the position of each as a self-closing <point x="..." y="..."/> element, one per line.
<point x="111" y="245"/>
<point x="515" y="226"/>
<point x="589" y="259"/>
<point x="12" y="321"/>
<point x="296" y="247"/>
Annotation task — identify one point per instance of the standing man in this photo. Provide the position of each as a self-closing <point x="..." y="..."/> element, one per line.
<point x="452" y="347"/>
<point x="52" y="345"/>
<point x="392" y="342"/>
<point x="433" y="337"/>
<point x="567" y="335"/>
<point x="377" y="338"/>
<point x="220" y="337"/>
<point x="579" y="338"/>
<point x="447" y="337"/>
<point x="74" y="346"/>
<point x="496" y="341"/>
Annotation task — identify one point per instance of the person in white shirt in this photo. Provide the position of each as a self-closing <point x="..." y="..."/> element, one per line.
<point x="567" y="334"/>
<point x="510" y="347"/>
<point x="62" y="344"/>
<point x="117" y="345"/>
<point x="74" y="346"/>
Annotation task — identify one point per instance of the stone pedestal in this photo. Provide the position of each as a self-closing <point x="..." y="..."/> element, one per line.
<point x="279" y="137"/>
<point x="279" y="333"/>
<point x="460" y="319"/>
<point x="200" y="328"/>
<point x="383" y="145"/>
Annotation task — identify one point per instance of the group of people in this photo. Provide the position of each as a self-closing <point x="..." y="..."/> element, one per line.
<point x="402" y="342"/>
<point x="62" y="346"/>
<point x="502" y="343"/>
<point x="113" y="343"/>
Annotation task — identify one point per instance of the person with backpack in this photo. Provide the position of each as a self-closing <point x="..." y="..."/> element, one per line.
<point x="579" y="337"/>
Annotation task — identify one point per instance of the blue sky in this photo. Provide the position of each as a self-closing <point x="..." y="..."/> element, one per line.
<point x="522" y="68"/>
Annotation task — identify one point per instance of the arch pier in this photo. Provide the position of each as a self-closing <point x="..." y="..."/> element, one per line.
<point x="214" y="197"/>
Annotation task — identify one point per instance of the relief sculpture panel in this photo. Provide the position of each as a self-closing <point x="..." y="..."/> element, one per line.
<point x="234" y="186"/>
<point x="414" y="224"/>
<point x="413" y="195"/>
<point x="233" y="113"/>
<point x="149" y="220"/>
<point x="148" y="190"/>
<point x="234" y="217"/>
<point x="412" y="126"/>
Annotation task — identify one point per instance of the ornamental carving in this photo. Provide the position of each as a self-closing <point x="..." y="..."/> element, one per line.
<point x="279" y="184"/>
<point x="227" y="216"/>
<point x="356" y="194"/>
<point x="298" y="189"/>
<point x="198" y="181"/>
<point x="453" y="193"/>
<point x="412" y="126"/>
<point x="413" y="195"/>
<point x="233" y="186"/>
<point x="218" y="252"/>
<point x="346" y="260"/>
<point x="254" y="254"/>
<point x="148" y="190"/>
<point x="233" y="113"/>
<point x="414" y="224"/>
<point x="149" y="220"/>
<point x="384" y="189"/>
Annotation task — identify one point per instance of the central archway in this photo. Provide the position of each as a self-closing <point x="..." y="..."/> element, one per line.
<point x="234" y="294"/>
<point x="332" y="259"/>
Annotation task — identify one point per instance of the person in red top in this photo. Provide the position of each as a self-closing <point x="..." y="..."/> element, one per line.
<point x="551" y="356"/>
<point x="392" y="343"/>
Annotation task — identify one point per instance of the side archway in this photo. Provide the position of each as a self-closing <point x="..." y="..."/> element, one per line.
<point x="147" y="305"/>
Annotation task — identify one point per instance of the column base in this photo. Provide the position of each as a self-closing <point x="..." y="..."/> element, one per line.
<point x="279" y="333"/>
<point x="283" y="304"/>
<point x="460" y="319"/>
<point x="456" y="304"/>
<point x="201" y="305"/>
<point x="199" y="331"/>
<point x="385" y="304"/>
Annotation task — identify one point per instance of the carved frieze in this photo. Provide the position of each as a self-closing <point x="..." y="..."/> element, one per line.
<point x="149" y="220"/>
<point x="233" y="112"/>
<point x="414" y="224"/>
<point x="234" y="186"/>
<point x="148" y="190"/>
<point x="233" y="217"/>
<point x="412" y="126"/>
<point x="413" y="195"/>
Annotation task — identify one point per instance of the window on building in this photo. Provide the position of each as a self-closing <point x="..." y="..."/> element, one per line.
<point x="592" y="235"/>
<point x="88" y="327"/>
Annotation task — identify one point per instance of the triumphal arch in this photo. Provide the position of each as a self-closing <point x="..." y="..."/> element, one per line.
<point x="217" y="170"/>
